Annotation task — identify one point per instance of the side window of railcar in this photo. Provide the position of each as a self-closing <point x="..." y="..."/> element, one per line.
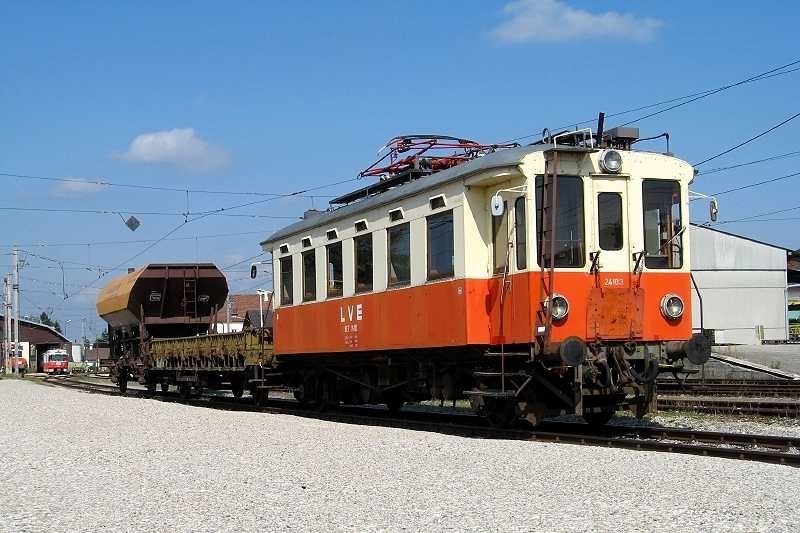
<point x="399" y="238"/>
<point x="609" y="220"/>
<point x="334" y="270"/>
<point x="287" y="284"/>
<point x="570" y="249"/>
<point x="500" y="240"/>
<point x="309" y="276"/>
<point x="521" y="232"/>
<point x="363" y="249"/>
<point x="663" y="240"/>
<point x="441" y="246"/>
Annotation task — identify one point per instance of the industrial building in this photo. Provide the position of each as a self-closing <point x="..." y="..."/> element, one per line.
<point x="743" y="286"/>
<point x="35" y="339"/>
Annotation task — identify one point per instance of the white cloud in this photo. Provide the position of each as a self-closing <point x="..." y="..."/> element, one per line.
<point x="180" y="147"/>
<point x="77" y="187"/>
<point x="555" y="21"/>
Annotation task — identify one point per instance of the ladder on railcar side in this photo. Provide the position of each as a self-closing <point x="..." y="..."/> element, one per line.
<point x="190" y="294"/>
<point x="547" y="248"/>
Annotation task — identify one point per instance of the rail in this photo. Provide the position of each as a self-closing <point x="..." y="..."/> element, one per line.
<point x="761" y="448"/>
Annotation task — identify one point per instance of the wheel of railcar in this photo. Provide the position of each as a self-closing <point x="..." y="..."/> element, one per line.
<point x="500" y="412"/>
<point x="598" y="419"/>
<point x="185" y="390"/>
<point x="237" y="388"/>
<point x="164" y="387"/>
<point x="261" y="396"/>
<point x="394" y="402"/>
<point x="151" y="387"/>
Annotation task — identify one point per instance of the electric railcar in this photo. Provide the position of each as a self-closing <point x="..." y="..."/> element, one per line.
<point x="532" y="280"/>
<point x="535" y="280"/>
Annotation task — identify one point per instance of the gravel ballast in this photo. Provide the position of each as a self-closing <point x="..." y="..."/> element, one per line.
<point x="84" y="462"/>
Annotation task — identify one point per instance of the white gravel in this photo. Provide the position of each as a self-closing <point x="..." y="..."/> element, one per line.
<point x="86" y="462"/>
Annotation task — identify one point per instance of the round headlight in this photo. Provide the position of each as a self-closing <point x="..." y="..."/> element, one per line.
<point x="672" y="306"/>
<point x="611" y="161"/>
<point x="559" y="307"/>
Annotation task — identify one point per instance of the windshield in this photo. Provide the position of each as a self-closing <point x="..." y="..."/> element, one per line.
<point x="663" y="239"/>
<point x="58" y="357"/>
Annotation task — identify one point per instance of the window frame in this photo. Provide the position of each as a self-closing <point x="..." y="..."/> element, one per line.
<point x="428" y="219"/>
<point x="583" y="221"/>
<point x="309" y="296"/>
<point x="367" y="237"/>
<point x="521" y="228"/>
<point x="620" y="222"/>
<point x="498" y="223"/>
<point x="284" y="273"/>
<point x="680" y="240"/>
<point x="331" y="291"/>
<point x="389" y="282"/>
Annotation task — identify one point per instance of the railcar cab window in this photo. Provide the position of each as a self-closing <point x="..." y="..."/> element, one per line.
<point x="287" y="284"/>
<point x="500" y="240"/>
<point x="399" y="238"/>
<point x="609" y="220"/>
<point x="521" y="232"/>
<point x="441" y="246"/>
<point x="570" y="249"/>
<point x="663" y="237"/>
<point x="334" y="270"/>
<point x="363" y="249"/>
<point x="309" y="276"/>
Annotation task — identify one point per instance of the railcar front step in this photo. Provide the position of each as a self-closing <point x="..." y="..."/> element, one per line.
<point x="493" y="374"/>
<point x="264" y="380"/>
<point x="506" y="354"/>
<point x="490" y="393"/>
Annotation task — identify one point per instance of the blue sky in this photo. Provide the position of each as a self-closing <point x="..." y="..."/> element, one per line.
<point x="276" y="97"/>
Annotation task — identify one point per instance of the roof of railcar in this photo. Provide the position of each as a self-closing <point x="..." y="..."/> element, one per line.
<point x="502" y="158"/>
<point x="510" y="157"/>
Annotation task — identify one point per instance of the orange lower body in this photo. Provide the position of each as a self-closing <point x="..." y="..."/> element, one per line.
<point x="463" y="312"/>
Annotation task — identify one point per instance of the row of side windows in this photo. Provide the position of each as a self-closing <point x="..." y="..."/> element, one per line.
<point x="440" y="261"/>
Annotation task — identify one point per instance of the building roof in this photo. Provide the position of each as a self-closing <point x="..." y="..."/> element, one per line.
<point x="253" y="320"/>
<point x="37" y="333"/>
<point x="714" y="228"/>
<point x="240" y="305"/>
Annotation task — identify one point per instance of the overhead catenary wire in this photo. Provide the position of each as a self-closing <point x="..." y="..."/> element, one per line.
<point x="748" y="163"/>
<point x="774" y="72"/>
<point x="57" y="244"/>
<point x="101" y="182"/>
<point x="200" y="216"/>
<point x="747" y="141"/>
<point x="141" y="213"/>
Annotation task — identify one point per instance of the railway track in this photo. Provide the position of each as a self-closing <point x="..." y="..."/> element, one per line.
<point x="746" y="397"/>
<point x="774" y="389"/>
<point x="769" y="449"/>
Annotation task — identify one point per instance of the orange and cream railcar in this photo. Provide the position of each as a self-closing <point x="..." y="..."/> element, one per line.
<point x="455" y="285"/>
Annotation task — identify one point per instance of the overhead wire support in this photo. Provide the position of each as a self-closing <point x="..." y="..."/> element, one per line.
<point x="200" y="216"/>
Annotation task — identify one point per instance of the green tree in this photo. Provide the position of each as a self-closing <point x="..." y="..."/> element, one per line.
<point x="47" y="321"/>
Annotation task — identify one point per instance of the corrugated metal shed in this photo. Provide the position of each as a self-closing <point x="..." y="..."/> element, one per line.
<point x="743" y="285"/>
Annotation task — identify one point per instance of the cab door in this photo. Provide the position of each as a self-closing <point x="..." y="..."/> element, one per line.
<point x="611" y="231"/>
<point x="615" y="303"/>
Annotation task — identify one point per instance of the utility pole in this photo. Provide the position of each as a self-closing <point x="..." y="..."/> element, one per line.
<point x="6" y="323"/>
<point x="228" y="307"/>
<point x="15" y="303"/>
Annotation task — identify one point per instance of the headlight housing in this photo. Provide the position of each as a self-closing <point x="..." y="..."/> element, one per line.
<point x="672" y="306"/>
<point x="559" y="306"/>
<point x="611" y="161"/>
